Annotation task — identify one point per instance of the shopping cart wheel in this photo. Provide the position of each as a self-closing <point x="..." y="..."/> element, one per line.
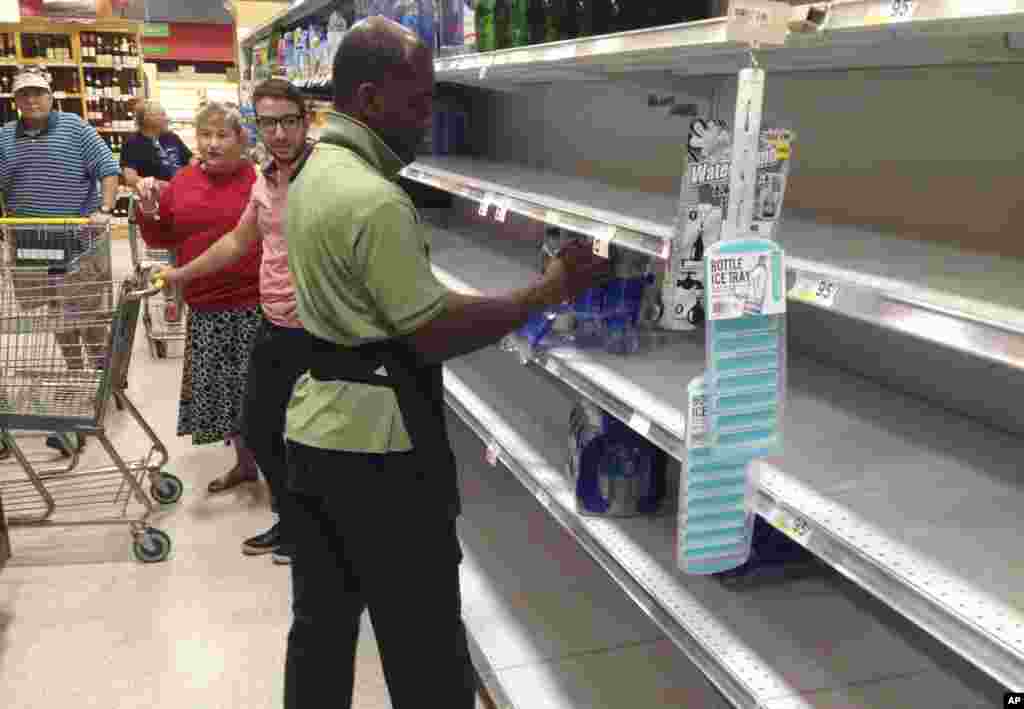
<point x="168" y="489"/>
<point x="161" y="349"/>
<point x="152" y="545"/>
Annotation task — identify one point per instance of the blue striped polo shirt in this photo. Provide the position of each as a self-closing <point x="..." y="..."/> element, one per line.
<point x="57" y="172"/>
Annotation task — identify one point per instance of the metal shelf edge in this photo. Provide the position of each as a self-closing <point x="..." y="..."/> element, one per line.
<point x="636" y="235"/>
<point x="910" y="585"/>
<point x="697" y="647"/>
<point x="882" y="301"/>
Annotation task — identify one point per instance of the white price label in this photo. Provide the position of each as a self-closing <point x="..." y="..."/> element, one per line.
<point x="795" y="527"/>
<point x="603" y="239"/>
<point x="761" y="21"/>
<point x="501" y="210"/>
<point x="483" y="71"/>
<point x="492" y="453"/>
<point x="816" y="291"/>
<point x="900" y="10"/>
<point x="640" y="423"/>
<point x="485" y="204"/>
<point x="891" y="11"/>
<point x="553" y="217"/>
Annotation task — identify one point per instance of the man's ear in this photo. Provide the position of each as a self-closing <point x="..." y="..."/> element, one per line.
<point x="368" y="99"/>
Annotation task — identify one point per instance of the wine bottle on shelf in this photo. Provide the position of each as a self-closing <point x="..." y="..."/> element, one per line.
<point x="561" y="20"/>
<point x="115" y="54"/>
<point x="125" y="52"/>
<point x="535" y="27"/>
<point x="502" y="24"/>
<point x="520" y="24"/>
<point x="484" y="20"/>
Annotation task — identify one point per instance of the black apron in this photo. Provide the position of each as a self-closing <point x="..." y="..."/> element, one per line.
<point x="419" y="389"/>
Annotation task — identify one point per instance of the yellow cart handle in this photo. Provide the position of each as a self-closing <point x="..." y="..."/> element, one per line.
<point x="28" y="221"/>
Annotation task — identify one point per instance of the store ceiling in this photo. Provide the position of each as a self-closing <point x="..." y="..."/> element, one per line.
<point x="211" y="11"/>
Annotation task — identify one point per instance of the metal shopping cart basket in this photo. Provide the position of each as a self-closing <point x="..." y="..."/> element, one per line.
<point x="164" y="317"/>
<point x="66" y="334"/>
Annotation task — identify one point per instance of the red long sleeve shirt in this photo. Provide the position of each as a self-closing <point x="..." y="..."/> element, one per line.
<point x="196" y="209"/>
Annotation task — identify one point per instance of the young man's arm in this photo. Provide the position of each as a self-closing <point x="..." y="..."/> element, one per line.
<point x="224" y="252"/>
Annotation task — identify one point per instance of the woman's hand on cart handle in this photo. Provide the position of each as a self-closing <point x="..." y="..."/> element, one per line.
<point x="165" y="277"/>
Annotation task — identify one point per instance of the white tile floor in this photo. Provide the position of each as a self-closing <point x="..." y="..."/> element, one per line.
<point x="84" y="625"/>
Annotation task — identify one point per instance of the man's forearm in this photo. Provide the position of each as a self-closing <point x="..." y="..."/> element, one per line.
<point x="470" y="323"/>
<point x="110" y="185"/>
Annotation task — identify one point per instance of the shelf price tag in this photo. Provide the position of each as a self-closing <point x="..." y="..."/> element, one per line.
<point x="553" y="217"/>
<point x="760" y="21"/>
<point x="492" y="453"/>
<point x="603" y="239"/>
<point x="796" y="528"/>
<point x="501" y="210"/>
<point x="485" y="204"/>
<point x="892" y="11"/>
<point x="483" y="72"/>
<point x="640" y="423"/>
<point x="816" y="291"/>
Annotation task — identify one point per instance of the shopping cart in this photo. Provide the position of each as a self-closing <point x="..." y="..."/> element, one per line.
<point x="66" y="334"/>
<point x="164" y="317"/>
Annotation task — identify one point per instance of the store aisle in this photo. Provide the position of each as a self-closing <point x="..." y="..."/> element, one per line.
<point x="84" y="625"/>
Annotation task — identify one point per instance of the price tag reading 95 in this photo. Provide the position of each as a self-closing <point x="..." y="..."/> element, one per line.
<point x="900" y="10"/>
<point x="816" y="291"/>
<point x="796" y="528"/>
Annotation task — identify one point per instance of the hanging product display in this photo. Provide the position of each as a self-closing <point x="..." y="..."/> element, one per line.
<point x="704" y="206"/>
<point x="716" y="498"/>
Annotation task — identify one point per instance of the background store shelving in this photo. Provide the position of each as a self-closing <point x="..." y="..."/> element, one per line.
<point x="899" y="476"/>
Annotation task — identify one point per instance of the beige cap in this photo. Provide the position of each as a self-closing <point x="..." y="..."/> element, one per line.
<point x="31" y="77"/>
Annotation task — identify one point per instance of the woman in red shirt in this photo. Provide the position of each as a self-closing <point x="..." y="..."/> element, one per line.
<point x="199" y="205"/>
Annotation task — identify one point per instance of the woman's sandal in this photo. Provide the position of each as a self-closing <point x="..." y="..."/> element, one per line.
<point x="229" y="480"/>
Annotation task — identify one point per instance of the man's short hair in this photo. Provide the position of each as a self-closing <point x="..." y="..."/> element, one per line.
<point x="367" y="57"/>
<point x="279" y="88"/>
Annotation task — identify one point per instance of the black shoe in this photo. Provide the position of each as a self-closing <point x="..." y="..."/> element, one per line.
<point x="282" y="556"/>
<point x="264" y="543"/>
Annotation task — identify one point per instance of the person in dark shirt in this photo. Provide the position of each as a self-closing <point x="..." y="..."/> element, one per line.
<point x="154" y="151"/>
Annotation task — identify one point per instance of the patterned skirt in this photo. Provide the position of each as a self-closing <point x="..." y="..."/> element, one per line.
<point x="217" y="347"/>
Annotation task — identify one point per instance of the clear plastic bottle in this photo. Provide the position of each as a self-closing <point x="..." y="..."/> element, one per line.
<point x="484" y="22"/>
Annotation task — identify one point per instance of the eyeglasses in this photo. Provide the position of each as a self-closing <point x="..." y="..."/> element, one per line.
<point x="268" y="124"/>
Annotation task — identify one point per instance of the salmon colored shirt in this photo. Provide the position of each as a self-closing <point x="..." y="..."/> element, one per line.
<point x="265" y="212"/>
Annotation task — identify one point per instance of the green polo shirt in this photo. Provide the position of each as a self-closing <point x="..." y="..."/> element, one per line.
<point x="361" y="265"/>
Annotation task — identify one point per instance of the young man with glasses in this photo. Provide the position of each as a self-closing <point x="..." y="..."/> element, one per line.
<point x="278" y="357"/>
<point x="54" y="164"/>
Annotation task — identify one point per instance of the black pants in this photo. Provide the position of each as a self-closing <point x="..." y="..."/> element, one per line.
<point x="365" y="537"/>
<point x="280" y="355"/>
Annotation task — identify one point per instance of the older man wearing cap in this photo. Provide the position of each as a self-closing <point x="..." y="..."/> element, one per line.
<point x="54" y="164"/>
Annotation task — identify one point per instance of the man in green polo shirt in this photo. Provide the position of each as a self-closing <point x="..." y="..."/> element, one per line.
<point x="374" y="495"/>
